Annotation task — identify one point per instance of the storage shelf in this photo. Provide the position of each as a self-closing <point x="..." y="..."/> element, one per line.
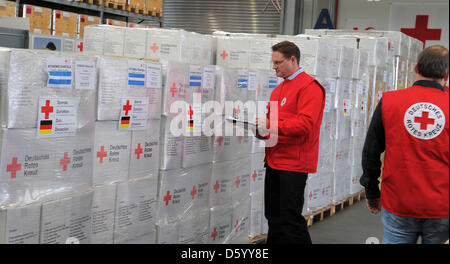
<point x="101" y="9"/>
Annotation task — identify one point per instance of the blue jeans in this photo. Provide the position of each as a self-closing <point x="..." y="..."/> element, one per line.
<point x="406" y="230"/>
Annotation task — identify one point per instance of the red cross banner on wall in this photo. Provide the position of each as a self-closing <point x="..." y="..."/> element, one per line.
<point x="427" y="22"/>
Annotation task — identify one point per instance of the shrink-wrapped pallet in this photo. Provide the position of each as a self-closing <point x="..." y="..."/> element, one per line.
<point x="257" y="172"/>
<point x="256" y="213"/>
<point x="29" y="76"/>
<point x="135" y="42"/>
<point x="241" y="180"/>
<point x="33" y="169"/>
<point x="171" y="150"/>
<point x="315" y="56"/>
<point x="233" y="51"/>
<point x="240" y="221"/>
<point x="318" y="190"/>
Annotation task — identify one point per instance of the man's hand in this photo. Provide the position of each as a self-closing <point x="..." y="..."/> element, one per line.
<point x="261" y="128"/>
<point x="373" y="205"/>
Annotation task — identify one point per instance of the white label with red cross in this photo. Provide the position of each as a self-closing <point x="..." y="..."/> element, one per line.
<point x="424" y="120"/>
<point x="134" y="113"/>
<point x="58" y="117"/>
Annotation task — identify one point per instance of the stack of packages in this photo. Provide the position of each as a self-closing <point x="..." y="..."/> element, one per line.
<point x="415" y="47"/>
<point x="186" y="152"/>
<point x="126" y="150"/>
<point x="47" y="140"/>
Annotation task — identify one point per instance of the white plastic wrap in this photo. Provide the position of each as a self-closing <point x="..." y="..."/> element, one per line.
<point x="318" y="190"/>
<point x="256" y="213"/>
<point x="357" y="144"/>
<point x="342" y="170"/>
<point x="314" y="56"/>
<point x="113" y="87"/>
<point x="232" y="85"/>
<point x="176" y="85"/>
<point x="135" y="42"/>
<point x="25" y="74"/>
<point x="183" y="192"/>
<point x="221" y="186"/>
<point x="66" y="218"/>
<point x="344" y="108"/>
<point x="196" y="151"/>
<point x="257" y="172"/>
<point x="359" y="109"/>
<point x="20" y="224"/>
<point x="171" y="146"/>
<point x="135" y="214"/>
<point x="260" y="56"/>
<point x="377" y="47"/>
<point x="114" y="40"/>
<point x="111" y="153"/>
<point x="94" y="39"/>
<point x="240" y="222"/>
<point x="220" y="226"/>
<point x="192" y="229"/>
<point x="415" y="47"/>
<point x="241" y="180"/>
<point x="227" y="148"/>
<point x="233" y="51"/>
<point x="32" y="169"/>
<point x="145" y="151"/>
<point x="103" y="212"/>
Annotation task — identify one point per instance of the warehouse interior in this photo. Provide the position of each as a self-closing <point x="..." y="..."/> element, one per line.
<point x="96" y="148"/>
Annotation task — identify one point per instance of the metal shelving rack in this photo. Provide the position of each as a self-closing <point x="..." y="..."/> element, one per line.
<point x="80" y="7"/>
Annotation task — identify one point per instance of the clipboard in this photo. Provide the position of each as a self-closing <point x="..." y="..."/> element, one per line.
<point x="245" y="124"/>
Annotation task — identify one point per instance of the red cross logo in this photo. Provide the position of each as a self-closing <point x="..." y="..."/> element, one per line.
<point x="127" y="107"/>
<point x="102" y="154"/>
<point x="421" y="30"/>
<point x="254" y="175"/>
<point x="167" y="198"/>
<point x="80" y="46"/>
<point x="193" y="192"/>
<point x="310" y="195"/>
<point x="216" y="186"/>
<point x="173" y="89"/>
<point x="47" y="109"/>
<point x="220" y="140"/>
<point x="237" y="112"/>
<point x="138" y="151"/>
<point x="214" y="234"/>
<point x="424" y="120"/>
<point x="154" y="48"/>
<point x="64" y="161"/>
<point x="237" y="182"/>
<point x="13" y="167"/>
<point x="240" y="139"/>
<point x="224" y="55"/>
<point x="236" y="226"/>
<point x="191" y="112"/>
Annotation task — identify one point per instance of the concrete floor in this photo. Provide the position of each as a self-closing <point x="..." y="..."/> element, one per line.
<point x="353" y="225"/>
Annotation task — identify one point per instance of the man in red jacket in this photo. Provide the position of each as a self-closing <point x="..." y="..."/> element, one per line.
<point x="411" y="126"/>
<point x="301" y="101"/>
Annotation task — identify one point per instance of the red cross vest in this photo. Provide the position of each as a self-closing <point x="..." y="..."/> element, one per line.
<point x="415" y="181"/>
<point x="297" y="153"/>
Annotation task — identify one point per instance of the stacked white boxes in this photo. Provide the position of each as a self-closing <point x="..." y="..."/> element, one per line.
<point x="47" y="139"/>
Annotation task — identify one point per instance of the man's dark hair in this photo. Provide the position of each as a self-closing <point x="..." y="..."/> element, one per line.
<point x="288" y="49"/>
<point x="433" y="62"/>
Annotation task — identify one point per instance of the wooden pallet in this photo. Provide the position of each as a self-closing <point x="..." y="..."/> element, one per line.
<point x="331" y="210"/>
<point x="111" y="4"/>
<point x="137" y="10"/>
<point x="259" y="239"/>
<point x="92" y="2"/>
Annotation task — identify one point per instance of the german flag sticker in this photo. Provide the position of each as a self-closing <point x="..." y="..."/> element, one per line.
<point x="125" y="122"/>
<point x="191" y="124"/>
<point x="45" y="127"/>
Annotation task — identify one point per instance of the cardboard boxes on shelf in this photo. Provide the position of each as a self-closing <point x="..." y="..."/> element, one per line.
<point x="40" y="18"/>
<point x="7" y="8"/>
<point x="64" y="24"/>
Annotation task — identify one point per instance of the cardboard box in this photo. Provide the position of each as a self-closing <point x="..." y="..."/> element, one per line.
<point x="113" y="22"/>
<point x="40" y="18"/>
<point x="155" y="6"/>
<point x="64" y="24"/>
<point x="84" y="20"/>
<point x="7" y="8"/>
